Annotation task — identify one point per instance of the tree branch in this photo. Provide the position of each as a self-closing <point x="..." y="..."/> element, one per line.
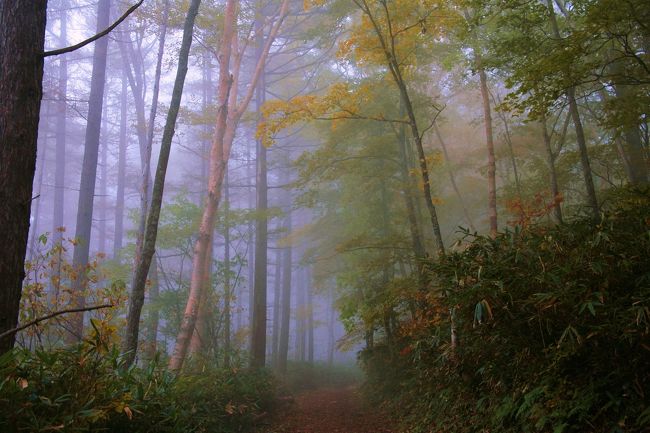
<point x="50" y="316"/>
<point x="97" y="36"/>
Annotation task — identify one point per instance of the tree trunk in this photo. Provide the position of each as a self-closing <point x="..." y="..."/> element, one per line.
<point x="89" y="173"/>
<point x="395" y="70"/>
<point x="200" y="344"/>
<point x="331" y="341"/>
<point x="592" y="200"/>
<point x="103" y="176"/>
<point x="489" y="139"/>
<point x="59" y="169"/>
<point x="153" y="318"/>
<point x="283" y="347"/>
<point x="22" y="37"/>
<point x="121" y="172"/>
<point x="310" y="317"/>
<point x="226" y="282"/>
<point x="258" y="332"/>
<point x="153" y="216"/>
<point x="300" y="316"/>
<point x="550" y="158"/>
<point x="277" y="286"/>
<point x="219" y="154"/>
<point x="409" y="201"/>
<point x="634" y="152"/>
<point x="226" y="127"/>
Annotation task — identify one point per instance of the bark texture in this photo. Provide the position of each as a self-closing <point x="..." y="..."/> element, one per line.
<point x="22" y="36"/>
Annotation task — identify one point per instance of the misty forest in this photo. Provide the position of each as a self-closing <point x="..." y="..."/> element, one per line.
<point x="325" y="216"/>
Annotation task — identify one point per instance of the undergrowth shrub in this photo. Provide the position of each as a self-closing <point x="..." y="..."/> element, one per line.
<point x="553" y="326"/>
<point x="89" y="389"/>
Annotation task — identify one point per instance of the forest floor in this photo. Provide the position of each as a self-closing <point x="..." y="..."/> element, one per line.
<point x="330" y="410"/>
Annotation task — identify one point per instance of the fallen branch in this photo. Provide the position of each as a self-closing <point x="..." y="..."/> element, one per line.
<point x="50" y="316"/>
<point x="104" y="32"/>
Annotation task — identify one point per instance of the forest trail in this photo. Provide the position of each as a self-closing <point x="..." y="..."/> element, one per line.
<point x="330" y="410"/>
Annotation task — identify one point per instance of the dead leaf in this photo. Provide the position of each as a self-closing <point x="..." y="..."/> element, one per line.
<point x="22" y="383"/>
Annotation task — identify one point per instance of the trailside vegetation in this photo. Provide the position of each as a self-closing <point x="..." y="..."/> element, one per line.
<point x="553" y="326"/>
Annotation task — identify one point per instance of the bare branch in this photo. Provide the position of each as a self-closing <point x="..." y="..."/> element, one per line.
<point x="50" y="316"/>
<point x="97" y="36"/>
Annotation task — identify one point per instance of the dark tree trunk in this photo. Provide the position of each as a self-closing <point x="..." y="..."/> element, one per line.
<point x="258" y="332"/>
<point x="153" y="216"/>
<point x="89" y="172"/>
<point x="22" y="37"/>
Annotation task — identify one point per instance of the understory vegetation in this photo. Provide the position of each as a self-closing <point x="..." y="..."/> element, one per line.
<point x="89" y="388"/>
<point x="553" y="328"/>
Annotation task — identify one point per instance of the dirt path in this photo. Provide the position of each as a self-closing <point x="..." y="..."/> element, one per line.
<point x="329" y="410"/>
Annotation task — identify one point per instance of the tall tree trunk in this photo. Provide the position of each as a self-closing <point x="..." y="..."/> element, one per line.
<point x="89" y="173"/>
<point x="153" y="318"/>
<point x="489" y="139"/>
<point x="287" y="265"/>
<point x="130" y="344"/>
<point x="409" y="201"/>
<point x="227" y="289"/>
<point x="103" y="176"/>
<point x="634" y="152"/>
<point x="22" y="37"/>
<point x="394" y="67"/>
<point x="592" y="200"/>
<point x="59" y="169"/>
<point x="508" y="139"/>
<point x="331" y="341"/>
<point x="310" y="316"/>
<point x="277" y="286"/>
<point x="146" y="165"/>
<point x="550" y="158"/>
<point x="300" y="316"/>
<point x="121" y="172"/>
<point x="200" y="344"/>
<point x="218" y="163"/>
<point x="226" y="127"/>
<point x="258" y="332"/>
